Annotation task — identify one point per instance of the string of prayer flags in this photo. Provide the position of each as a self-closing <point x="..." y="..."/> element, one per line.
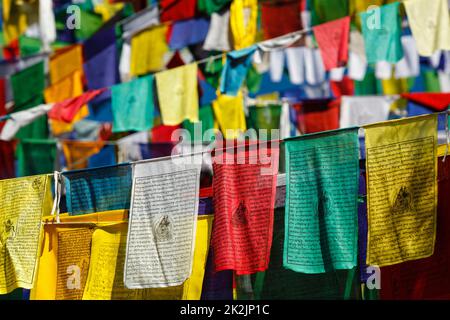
<point x="333" y="38"/>
<point x="425" y="278"/>
<point x="243" y="22"/>
<point x="132" y="105"/>
<point x="24" y="202"/>
<point x="229" y="112"/>
<point x="430" y="25"/>
<point x="401" y="189"/>
<point x="147" y="50"/>
<point x="322" y="177"/>
<point x="359" y="111"/>
<point x="65" y="62"/>
<point x="98" y="189"/>
<point x="163" y="219"/>
<point x="21" y="119"/>
<point x="244" y="187"/>
<point x="235" y="70"/>
<point x="67" y="110"/>
<point x="381" y="28"/>
<point x="178" y="94"/>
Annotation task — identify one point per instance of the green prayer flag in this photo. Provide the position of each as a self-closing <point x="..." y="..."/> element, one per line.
<point x="206" y="122"/>
<point x="280" y="283"/>
<point x="28" y="83"/>
<point x="132" y="105"/>
<point x="29" y="46"/>
<point x="89" y="24"/>
<point x="36" y="156"/>
<point x="381" y="28"/>
<point x="431" y="79"/>
<point x="211" y="6"/>
<point x="264" y="118"/>
<point x="322" y="179"/>
<point x="212" y="71"/>
<point x="327" y="10"/>
<point x="253" y="80"/>
<point x="370" y="85"/>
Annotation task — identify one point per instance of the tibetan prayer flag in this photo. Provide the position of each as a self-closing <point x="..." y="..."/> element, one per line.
<point x="229" y="112"/>
<point x="425" y="278"/>
<point x="99" y="189"/>
<point x="28" y="84"/>
<point x="359" y="111"/>
<point x="327" y="10"/>
<point x="430" y="25"/>
<point x="188" y="32"/>
<point x="218" y="37"/>
<point x="147" y="50"/>
<point x="163" y="220"/>
<point x="332" y="38"/>
<point x="68" y="109"/>
<point x="24" y="202"/>
<point x="280" y="18"/>
<point x="244" y="187"/>
<point x="132" y="105"/>
<point x="197" y="130"/>
<point x="235" y="70"/>
<point x="211" y="6"/>
<point x="77" y="153"/>
<point x="317" y="115"/>
<point x="401" y="189"/>
<point x="7" y="169"/>
<point x="322" y="177"/>
<point x="174" y="10"/>
<point x="381" y="28"/>
<point x="65" y="62"/>
<point x="243" y="22"/>
<point x="36" y="156"/>
<point x="178" y="94"/>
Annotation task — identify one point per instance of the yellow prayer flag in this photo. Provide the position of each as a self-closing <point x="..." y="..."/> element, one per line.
<point x="229" y="112"/>
<point x="147" y="50"/>
<point x="17" y="16"/>
<point x="65" y="62"/>
<point x="401" y="189"/>
<point x="23" y="203"/>
<point x="243" y="22"/>
<point x="178" y="95"/>
<point x="107" y="10"/>
<point x="77" y="153"/>
<point x="430" y="24"/>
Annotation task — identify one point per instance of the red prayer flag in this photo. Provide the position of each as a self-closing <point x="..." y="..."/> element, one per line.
<point x="7" y="159"/>
<point x="427" y="278"/>
<point x="317" y="115"/>
<point x="345" y="87"/>
<point x="244" y="186"/>
<point x="174" y="10"/>
<point x="280" y="17"/>
<point x="435" y="101"/>
<point x="67" y="109"/>
<point x="163" y="133"/>
<point x="332" y="38"/>
<point x="2" y="102"/>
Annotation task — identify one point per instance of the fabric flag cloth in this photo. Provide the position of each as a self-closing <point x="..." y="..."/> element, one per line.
<point x="197" y="130"/>
<point x="235" y="70"/>
<point x="359" y="111"/>
<point x="357" y="63"/>
<point x="317" y="115"/>
<point x="68" y="109"/>
<point x="326" y="10"/>
<point x="229" y="113"/>
<point x="278" y="283"/>
<point x="362" y="220"/>
<point x="383" y="70"/>
<point x="163" y="133"/>
<point x="129" y="146"/>
<point x="47" y="27"/>
<point x="164" y="202"/>
<point x="174" y="10"/>
<point x="332" y="38"/>
<point x="401" y="204"/>
<point x="409" y="65"/>
<point x="36" y="156"/>
<point x="178" y="94"/>
<point x="147" y="50"/>
<point x="277" y="58"/>
<point x="132" y="105"/>
<point x="7" y="168"/>
<point x="322" y="177"/>
<point x="24" y="202"/>
<point x="296" y="64"/>
<point x="20" y="119"/>
<point x="216" y="285"/>
<point x="244" y="197"/>
<point x="264" y="118"/>
<point x="188" y="32"/>
<point x="218" y="37"/>
<point x="425" y="278"/>
<point x="430" y="25"/>
<point x="243" y="22"/>
<point x="155" y="149"/>
<point x="98" y="189"/>
<point x="76" y="153"/>
<point x="434" y="101"/>
<point x="381" y="29"/>
<point x="28" y="84"/>
<point x="139" y="21"/>
<point x="65" y="62"/>
<point x="314" y="68"/>
<point x="280" y="18"/>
